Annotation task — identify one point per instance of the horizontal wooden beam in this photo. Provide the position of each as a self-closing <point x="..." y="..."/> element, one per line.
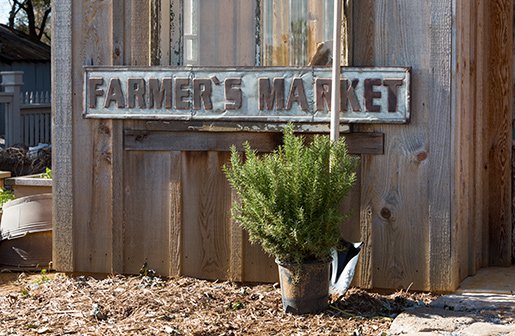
<point x="358" y="143"/>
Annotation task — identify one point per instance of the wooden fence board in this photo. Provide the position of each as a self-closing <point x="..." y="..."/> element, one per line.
<point x="483" y="149"/>
<point x="500" y="20"/>
<point x="118" y="57"/>
<point x="234" y="20"/>
<point x="443" y="273"/>
<point x="358" y="143"/>
<point x="91" y="147"/>
<point x="63" y="253"/>
<point x="206" y="215"/>
<point x="465" y="55"/>
<point x="176" y="210"/>
<point x="395" y="187"/>
<point x="257" y="266"/>
<point x="236" y="247"/>
<point x="146" y="211"/>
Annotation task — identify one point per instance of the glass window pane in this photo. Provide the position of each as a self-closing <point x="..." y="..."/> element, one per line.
<point x="292" y="29"/>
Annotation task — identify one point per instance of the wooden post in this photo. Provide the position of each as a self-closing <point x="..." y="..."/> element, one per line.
<point x="12" y="81"/>
<point x="63" y="201"/>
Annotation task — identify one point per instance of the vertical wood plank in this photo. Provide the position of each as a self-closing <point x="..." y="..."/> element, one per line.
<point x="118" y="57"/>
<point x="350" y="227"/>
<point x="62" y="75"/>
<point x="480" y="135"/>
<point x="165" y="23"/>
<point x="155" y="22"/>
<point x="234" y="20"/>
<point x="206" y="215"/>
<point x="280" y="33"/>
<point x="92" y="147"/>
<point x="258" y="266"/>
<point x="147" y="211"/>
<point x="176" y="33"/>
<point x="465" y="128"/>
<point x="498" y="121"/>
<point x="175" y="224"/>
<point x="396" y="195"/>
<point x="483" y="104"/>
<point x="442" y="230"/>
<point x="139" y="32"/>
<point x="236" y="247"/>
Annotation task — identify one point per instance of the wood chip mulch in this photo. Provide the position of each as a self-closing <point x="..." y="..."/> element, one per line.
<point x="59" y="304"/>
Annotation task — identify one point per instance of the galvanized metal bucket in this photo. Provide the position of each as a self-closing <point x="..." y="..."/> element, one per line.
<point x="304" y="287"/>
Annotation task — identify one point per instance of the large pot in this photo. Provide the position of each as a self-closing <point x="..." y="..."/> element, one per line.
<point x="26" y="233"/>
<point x="304" y="287"/>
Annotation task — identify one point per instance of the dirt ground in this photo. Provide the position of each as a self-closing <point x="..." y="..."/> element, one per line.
<point x="59" y="304"/>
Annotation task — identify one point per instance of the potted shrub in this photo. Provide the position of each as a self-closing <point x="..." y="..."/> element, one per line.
<point x="289" y="204"/>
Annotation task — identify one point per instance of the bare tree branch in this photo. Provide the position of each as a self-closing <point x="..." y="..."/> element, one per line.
<point x="15" y="8"/>
<point x="43" y="23"/>
<point x="34" y="18"/>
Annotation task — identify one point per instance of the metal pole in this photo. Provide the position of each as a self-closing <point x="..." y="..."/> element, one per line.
<point x="335" y="89"/>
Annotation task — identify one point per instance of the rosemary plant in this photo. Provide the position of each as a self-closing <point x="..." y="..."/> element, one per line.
<point x="290" y="199"/>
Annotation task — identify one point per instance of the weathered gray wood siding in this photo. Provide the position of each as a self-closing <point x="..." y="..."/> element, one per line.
<point x="435" y="207"/>
<point x="117" y="206"/>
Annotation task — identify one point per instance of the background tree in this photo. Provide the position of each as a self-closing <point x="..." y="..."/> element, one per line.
<point x="31" y="17"/>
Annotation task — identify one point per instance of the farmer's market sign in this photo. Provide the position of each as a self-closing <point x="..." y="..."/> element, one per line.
<point x="268" y="94"/>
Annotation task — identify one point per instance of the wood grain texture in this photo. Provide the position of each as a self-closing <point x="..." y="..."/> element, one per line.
<point x="206" y="215"/>
<point x="398" y="189"/>
<point x="236" y="247"/>
<point x="465" y="96"/>
<point x="175" y="43"/>
<point x="257" y="266"/>
<point x="431" y="210"/>
<point x="92" y="147"/>
<point x="498" y="120"/>
<point x="139" y="26"/>
<point x="176" y="210"/>
<point x="155" y="28"/>
<point x="198" y="141"/>
<point x="227" y="33"/>
<point x="357" y="143"/>
<point x="147" y="211"/>
<point x="453" y="199"/>
<point x="62" y="76"/>
<point x="118" y="57"/>
<point x="483" y="144"/>
<point x="442" y="230"/>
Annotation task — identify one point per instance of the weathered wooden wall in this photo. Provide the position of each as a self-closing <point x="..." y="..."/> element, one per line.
<point x="483" y="133"/>
<point x="406" y="203"/>
<point x="435" y="207"/>
<point x="427" y="209"/>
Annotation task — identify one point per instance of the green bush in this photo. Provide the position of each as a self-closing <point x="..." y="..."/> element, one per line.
<point x="290" y="199"/>
<point x="5" y="196"/>
<point x="47" y="174"/>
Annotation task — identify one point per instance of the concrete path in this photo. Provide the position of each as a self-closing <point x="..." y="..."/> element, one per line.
<point x="484" y="305"/>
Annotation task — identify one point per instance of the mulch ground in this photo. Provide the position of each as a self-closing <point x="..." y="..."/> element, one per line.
<point x="59" y="304"/>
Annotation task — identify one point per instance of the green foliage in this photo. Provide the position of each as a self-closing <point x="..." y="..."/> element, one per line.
<point x="236" y="305"/>
<point x="5" y="195"/>
<point x="43" y="278"/>
<point x="47" y="174"/>
<point x="24" y="292"/>
<point x="290" y="198"/>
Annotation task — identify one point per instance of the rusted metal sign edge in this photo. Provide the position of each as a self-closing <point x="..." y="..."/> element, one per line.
<point x="246" y="94"/>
